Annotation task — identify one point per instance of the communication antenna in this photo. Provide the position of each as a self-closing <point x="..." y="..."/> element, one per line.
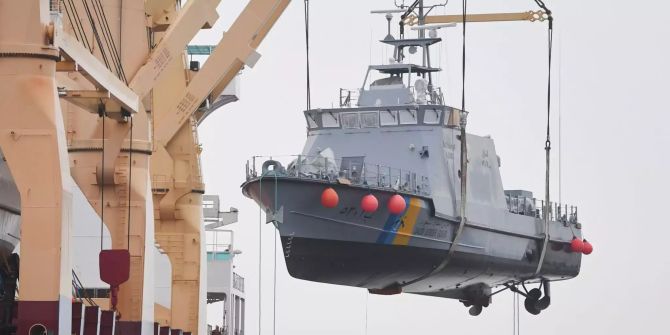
<point x="433" y="28"/>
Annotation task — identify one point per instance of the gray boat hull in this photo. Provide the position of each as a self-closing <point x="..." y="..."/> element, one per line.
<point x="345" y="246"/>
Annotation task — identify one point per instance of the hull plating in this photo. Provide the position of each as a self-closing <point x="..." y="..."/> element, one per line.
<point x="345" y="246"/>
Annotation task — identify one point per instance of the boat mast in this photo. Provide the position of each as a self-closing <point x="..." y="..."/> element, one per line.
<point x="422" y="33"/>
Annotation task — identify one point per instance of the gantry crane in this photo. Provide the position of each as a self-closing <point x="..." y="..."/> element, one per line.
<point x="98" y="96"/>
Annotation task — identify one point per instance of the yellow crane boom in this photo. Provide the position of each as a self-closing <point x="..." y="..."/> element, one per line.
<point x="531" y="16"/>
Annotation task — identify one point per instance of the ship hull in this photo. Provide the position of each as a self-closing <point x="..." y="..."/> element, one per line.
<point x="346" y="246"/>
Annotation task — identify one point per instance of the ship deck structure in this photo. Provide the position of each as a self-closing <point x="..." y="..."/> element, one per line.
<point x="100" y="176"/>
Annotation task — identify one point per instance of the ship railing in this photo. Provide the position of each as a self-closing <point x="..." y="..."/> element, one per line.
<point x="55" y="6"/>
<point x="332" y="170"/>
<point x="533" y="207"/>
<point x="219" y="242"/>
<point x="348" y="97"/>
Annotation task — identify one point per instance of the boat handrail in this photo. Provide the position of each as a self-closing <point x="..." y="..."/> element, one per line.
<point x="534" y="207"/>
<point x="348" y="97"/>
<point x="331" y="169"/>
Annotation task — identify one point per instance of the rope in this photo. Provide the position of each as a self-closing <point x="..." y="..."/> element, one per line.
<point x="106" y="39"/>
<point x="110" y="41"/>
<point x="518" y="315"/>
<point x="260" y="258"/>
<point x="516" y="326"/>
<point x="130" y="176"/>
<point x="514" y="313"/>
<point x="547" y="143"/>
<point x="367" y="296"/>
<point x="465" y="10"/>
<point x="87" y="9"/>
<point x="78" y="26"/>
<point x="101" y="112"/>
<point x="560" y="143"/>
<point x="309" y="93"/>
<point x="464" y="156"/>
<point x="274" y="288"/>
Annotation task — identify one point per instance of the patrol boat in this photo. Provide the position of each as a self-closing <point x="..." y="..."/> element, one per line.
<point x="375" y="198"/>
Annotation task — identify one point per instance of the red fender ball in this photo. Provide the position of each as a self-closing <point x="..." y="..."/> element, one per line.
<point x="576" y="245"/>
<point x="396" y="204"/>
<point x="587" y="249"/>
<point x="329" y="198"/>
<point x="369" y="203"/>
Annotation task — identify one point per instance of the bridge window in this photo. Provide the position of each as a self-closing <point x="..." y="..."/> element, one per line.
<point x="330" y="120"/>
<point x="407" y="116"/>
<point x="350" y="121"/>
<point x="311" y="123"/>
<point x="388" y="118"/>
<point x="432" y="116"/>
<point x="369" y="119"/>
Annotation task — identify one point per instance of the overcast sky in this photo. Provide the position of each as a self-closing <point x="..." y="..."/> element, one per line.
<point x="613" y="58"/>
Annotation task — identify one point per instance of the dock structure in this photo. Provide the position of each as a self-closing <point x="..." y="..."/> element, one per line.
<point x="100" y="175"/>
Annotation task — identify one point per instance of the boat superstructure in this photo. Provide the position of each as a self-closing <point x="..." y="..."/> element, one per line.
<point x="394" y="138"/>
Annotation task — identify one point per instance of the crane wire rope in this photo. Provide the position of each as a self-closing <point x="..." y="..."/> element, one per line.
<point x="516" y="325"/>
<point x="260" y="255"/>
<point x="75" y="22"/>
<point x="130" y="177"/>
<point x="109" y="40"/>
<point x="101" y="113"/>
<point x="105" y="35"/>
<point x="94" y="29"/>
<point x="514" y="313"/>
<point x="560" y="141"/>
<point x="274" y="281"/>
<point x="98" y="12"/>
<point x="274" y="288"/>
<point x="547" y="143"/>
<point x="367" y="297"/>
<point x="308" y="86"/>
<point x="464" y="151"/>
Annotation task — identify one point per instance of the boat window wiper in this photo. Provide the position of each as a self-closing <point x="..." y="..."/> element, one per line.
<point x="412" y="113"/>
<point x="389" y="111"/>
<point x="309" y="115"/>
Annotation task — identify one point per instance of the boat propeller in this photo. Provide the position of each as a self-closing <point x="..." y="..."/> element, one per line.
<point x="535" y="302"/>
<point x="477" y="305"/>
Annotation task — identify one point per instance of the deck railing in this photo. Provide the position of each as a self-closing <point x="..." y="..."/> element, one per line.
<point x="219" y="241"/>
<point x="533" y="207"/>
<point x="348" y="97"/>
<point x="329" y="169"/>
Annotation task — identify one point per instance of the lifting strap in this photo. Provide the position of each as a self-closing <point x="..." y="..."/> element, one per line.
<point x="547" y="143"/>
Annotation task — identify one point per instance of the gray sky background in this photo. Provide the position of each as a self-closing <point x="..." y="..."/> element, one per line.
<point x="613" y="58"/>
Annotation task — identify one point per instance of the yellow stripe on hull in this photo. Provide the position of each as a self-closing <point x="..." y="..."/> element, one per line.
<point x="409" y="221"/>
